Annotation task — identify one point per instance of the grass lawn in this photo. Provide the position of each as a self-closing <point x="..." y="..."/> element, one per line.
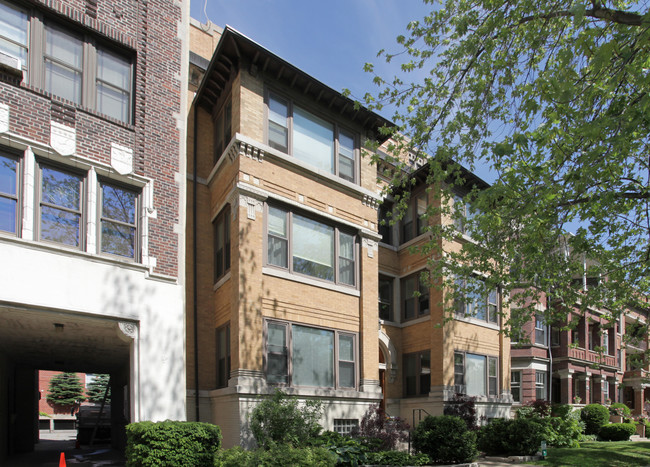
<point x="600" y="453"/>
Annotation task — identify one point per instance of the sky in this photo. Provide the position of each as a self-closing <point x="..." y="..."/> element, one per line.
<point x="330" y="40"/>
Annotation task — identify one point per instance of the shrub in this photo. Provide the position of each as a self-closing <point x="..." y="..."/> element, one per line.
<point x="278" y="455"/>
<point x="618" y="408"/>
<point x="562" y="411"/>
<point x="397" y="458"/>
<point x="347" y="451"/>
<point x="282" y="419"/>
<point x="617" y="431"/>
<point x="379" y="425"/>
<point x="563" y="432"/>
<point x="171" y="443"/>
<point x="519" y="436"/>
<point x="462" y="405"/>
<point x="445" y="439"/>
<point x="594" y="416"/>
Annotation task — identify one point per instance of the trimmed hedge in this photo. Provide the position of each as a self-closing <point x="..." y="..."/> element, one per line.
<point x="445" y="439"/>
<point x="617" y="431"/>
<point x="171" y="443"/>
<point x="595" y="416"/>
<point x="518" y="437"/>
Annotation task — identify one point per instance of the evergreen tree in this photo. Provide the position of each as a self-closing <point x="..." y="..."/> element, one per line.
<point x="97" y="387"/>
<point x="65" y="389"/>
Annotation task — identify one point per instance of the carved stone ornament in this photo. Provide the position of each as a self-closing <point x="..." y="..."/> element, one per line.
<point x="121" y="159"/>
<point x="4" y="118"/>
<point x="127" y="331"/>
<point x="63" y="139"/>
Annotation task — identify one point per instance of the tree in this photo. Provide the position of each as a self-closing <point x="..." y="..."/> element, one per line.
<point x="65" y="390"/>
<point x="97" y="387"/>
<point x="554" y="97"/>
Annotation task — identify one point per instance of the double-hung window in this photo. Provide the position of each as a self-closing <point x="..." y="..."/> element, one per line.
<point x="223" y="355"/>
<point x="385" y="298"/>
<point x="118" y="220"/>
<point x="463" y="213"/>
<point x="515" y="385"/>
<point x="14" y="32"/>
<point x="310" y="138"/>
<point x="473" y="301"/>
<point x="221" y="226"/>
<point x="540" y="330"/>
<point x="68" y="64"/>
<point x="477" y="375"/>
<point x="309" y="247"/>
<point x="415" y="293"/>
<point x="540" y="385"/>
<point x="222" y="129"/>
<point x="385" y="228"/>
<point x="414" y="220"/>
<point x="9" y="194"/>
<point x="298" y="355"/>
<point x="417" y="373"/>
<point x="61" y="200"/>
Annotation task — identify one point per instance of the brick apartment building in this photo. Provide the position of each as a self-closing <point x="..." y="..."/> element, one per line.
<point x="291" y="267"/>
<point x="92" y="196"/>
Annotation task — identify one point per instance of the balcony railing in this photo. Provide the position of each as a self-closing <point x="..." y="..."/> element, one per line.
<point x="591" y="356"/>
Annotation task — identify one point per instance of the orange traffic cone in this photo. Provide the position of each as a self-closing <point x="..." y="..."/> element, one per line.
<point x="62" y="460"/>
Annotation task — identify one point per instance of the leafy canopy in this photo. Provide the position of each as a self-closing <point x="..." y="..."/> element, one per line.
<point x="553" y="96"/>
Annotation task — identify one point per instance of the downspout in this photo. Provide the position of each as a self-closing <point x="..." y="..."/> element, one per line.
<point x="549" y="378"/>
<point x="195" y="288"/>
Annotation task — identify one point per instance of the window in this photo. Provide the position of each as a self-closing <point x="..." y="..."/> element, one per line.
<point x="69" y="65"/>
<point x="118" y="218"/>
<point x="9" y="183"/>
<point x="415" y="293"/>
<point x="221" y="226"/>
<point x="417" y="373"/>
<point x="223" y="356"/>
<point x="13" y="32"/>
<point x="477" y="375"/>
<point x="222" y="129"/>
<point x="344" y="426"/>
<point x="605" y="390"/>
<point x="414" y="220"/>
<point x="299" y="355"/>
<point x="385" y="298"/>
<point x="472" y="301"/>
<point x="515" y="385"/>
<point x="463" y="213"/>
<point x="540" y="330"/>
<point x="540" y="385"/>
<point x="311" y="248"/>
<point x="555" y="336"/>
<point x="311" y="139"/>
<point x="385" y="228"/>
<point x="605" y="340"/>
<point x="61" y="206"/>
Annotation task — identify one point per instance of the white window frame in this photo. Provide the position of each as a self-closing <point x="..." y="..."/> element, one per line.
<point x="541" y="384"/>
<point x="486" y="377"/>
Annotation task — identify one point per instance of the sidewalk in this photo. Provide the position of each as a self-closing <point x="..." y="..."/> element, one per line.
<point x="47" y="453"/>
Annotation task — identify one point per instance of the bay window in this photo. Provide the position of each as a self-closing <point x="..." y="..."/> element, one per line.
<point x="414" y="220"/>
<point x="311" y="139"/>
<point x="540" y="330"/>
<point x="417" y="373"/>
<point x="9" y="195"/>
<point x="473" y="301"/>
<point x="540" y="385"/>
<point x="309" y="247"/>
<point x="515" y="385"/>
<point x="476" y="375"/>
<point x="298" y="355"/>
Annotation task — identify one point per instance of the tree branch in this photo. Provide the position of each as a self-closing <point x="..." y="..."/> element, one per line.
<point x="607" y="14"/>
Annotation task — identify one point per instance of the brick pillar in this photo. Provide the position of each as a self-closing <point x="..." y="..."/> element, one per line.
<point x="614" y="387"/>
<point x="597" y="382"/>
<point x="638" y="401"/>
<point x="566" y="387"/>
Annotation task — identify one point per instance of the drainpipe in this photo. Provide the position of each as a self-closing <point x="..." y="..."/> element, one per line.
<point x="195" y="288"/>
<point x="549" y="377"/>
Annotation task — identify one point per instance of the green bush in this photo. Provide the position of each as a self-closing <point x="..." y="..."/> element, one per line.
<point x="171" y="443"/>
<point x="282" y="419"/>
<point x="278" y="455"/>
<point x="563" y="432"/>
<point x="618" y="408"/>
<point x="562" y="411"/>
<point x="519" y="436"/>
<point x="594" y="416"/>
<point x="348" y="451"/>
<point x="617" y="431"/>
<point x="397" y="458"/>
<point x="445" y="439"/>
